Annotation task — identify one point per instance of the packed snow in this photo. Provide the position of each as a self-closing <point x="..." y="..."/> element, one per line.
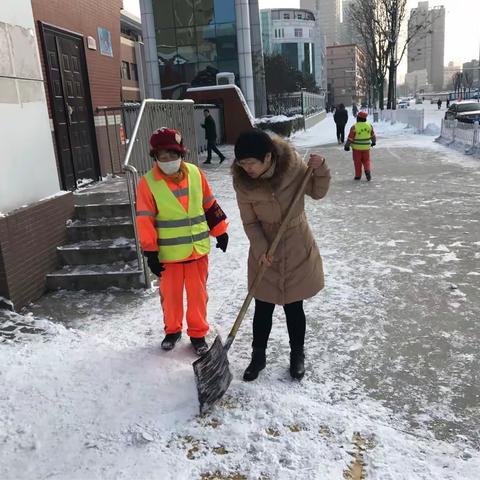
<point x="391" y="345"/>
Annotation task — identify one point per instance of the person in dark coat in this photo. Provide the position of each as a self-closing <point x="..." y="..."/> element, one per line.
<point x="341" y="118"/>
<point x="211" y="137"/>
<point x="439" y="103"/>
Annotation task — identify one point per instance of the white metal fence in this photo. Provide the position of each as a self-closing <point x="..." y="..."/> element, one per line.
<point x="413" y="118"/>
<point x="460" y="134"/>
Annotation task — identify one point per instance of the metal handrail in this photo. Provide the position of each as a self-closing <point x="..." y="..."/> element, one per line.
<point x="154" y="114"/>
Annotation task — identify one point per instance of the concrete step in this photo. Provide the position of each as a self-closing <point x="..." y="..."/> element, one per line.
<point x="100" y="228"/>
<point x="99" y="198"/>
<point x="101" y="210"/>
<point x="91" y="252"/>
<point x="96" y="277"/>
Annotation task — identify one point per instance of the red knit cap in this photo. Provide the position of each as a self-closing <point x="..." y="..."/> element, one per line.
<point x="167" y="139"/>
<point x="362" y="115"/>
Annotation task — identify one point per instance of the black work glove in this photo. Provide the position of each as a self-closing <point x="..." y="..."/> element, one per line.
<point x="374" y="143"/>
<point x="346" y="148"/>
<point x="222" y="242"/>
<point x="154" y="263"/>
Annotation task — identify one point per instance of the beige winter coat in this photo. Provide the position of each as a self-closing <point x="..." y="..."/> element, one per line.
<point x="297" y="271"/>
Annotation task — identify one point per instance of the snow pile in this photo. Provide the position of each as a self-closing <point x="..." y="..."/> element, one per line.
<point x="277" y="119"/>
<point x="432" y="129"/>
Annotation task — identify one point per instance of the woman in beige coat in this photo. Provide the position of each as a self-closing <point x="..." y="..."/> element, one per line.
<point x="266" y="175"/>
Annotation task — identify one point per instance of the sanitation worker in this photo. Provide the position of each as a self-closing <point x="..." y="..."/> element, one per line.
<point x="266" y="176"/>
<point x="361" y="138"/>
<point x="176" y="214"/>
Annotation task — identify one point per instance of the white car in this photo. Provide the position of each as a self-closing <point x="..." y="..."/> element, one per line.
<point x="402" y="104"/>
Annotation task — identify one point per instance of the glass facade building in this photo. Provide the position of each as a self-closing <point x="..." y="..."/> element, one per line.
<point x="290" y="32"/>
<point x="195" y="39"/>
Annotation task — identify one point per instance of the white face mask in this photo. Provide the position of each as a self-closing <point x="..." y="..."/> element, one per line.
<point x="169" y="168"/>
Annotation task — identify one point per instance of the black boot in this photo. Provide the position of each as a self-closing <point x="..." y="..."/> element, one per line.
<point x="257" y="363"/>
<point x="199" y="345"/>
<point x="170" y="340"/>
<point x="368" y="175"/>
<point x="297" y="362"/>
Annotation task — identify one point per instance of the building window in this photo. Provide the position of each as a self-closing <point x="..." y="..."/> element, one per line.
<point x="125" y="71"/>
<point x="298" y="32"/>
<point x="276" y="36"/>
<point x="276" y="15"/>
<point x="134" y="71"/>
<point x="286" y="16"/>
<point x="283" y="33"/>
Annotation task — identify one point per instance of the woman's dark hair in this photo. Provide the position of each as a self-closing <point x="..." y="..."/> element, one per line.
<point x="341" y="106"/>
<point x="254" y="143"/>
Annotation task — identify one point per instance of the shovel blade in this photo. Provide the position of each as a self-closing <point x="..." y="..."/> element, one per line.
<point x="212" y="375"/>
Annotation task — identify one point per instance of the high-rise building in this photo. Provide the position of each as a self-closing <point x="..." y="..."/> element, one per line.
<point x="328" y="14"/>
<point x="426" y="50"/>
<point x="293" y="33"/>
<point x="191" y="41"/>
<point x="345" y="73"/>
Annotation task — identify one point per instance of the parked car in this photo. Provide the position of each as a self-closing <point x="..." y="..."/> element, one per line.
<point x="418" y="101"/>
<point x="402" y="104"/>
<point x="466" y="112"/>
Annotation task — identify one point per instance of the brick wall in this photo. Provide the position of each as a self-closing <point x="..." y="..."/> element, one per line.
<point x="236" y="119"/>
<point x="28" y="240"/>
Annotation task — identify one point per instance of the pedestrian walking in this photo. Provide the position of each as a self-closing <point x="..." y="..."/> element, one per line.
<point x="266" y="175"/>
<point x="340" y="118"/>
<point x="448" y="103"/>
<point x="211" y="137"/>
<point x="361" y="138"/>
<point x="176" y="214"/>
<point x="354" y="109"/>
<point x="439" y="103"/>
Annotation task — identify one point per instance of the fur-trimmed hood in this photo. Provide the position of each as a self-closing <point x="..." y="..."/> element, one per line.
<point x="285" y="159"/>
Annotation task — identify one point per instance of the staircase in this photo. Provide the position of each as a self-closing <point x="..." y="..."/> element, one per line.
<point x="101" y="252"/>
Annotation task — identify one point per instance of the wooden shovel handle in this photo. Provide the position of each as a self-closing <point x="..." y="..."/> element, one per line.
<point x="270" y="252"/>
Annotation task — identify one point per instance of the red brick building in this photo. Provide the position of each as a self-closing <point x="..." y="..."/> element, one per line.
<point x="62" y="74"/>
<point x="79" y="43"/>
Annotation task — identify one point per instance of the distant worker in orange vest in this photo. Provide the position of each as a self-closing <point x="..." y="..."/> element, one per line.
<point x="361" y="138"/>
<point x="176" y="214"/>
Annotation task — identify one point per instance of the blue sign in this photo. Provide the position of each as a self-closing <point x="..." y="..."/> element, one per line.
<point x="105" y="42"/>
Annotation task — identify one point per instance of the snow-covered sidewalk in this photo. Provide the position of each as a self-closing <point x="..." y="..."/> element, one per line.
<point x="392" y="349"/>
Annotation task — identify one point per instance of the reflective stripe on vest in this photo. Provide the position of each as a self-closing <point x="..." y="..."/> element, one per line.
<point x="179" y="231"/>
<point x="363" y="134"/>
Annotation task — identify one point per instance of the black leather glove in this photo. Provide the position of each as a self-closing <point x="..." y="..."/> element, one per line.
<point x="374" y="143"/>
<point x="154" y="263"/>
<point x="346" y="148"/>
<point x="222" y="242"/>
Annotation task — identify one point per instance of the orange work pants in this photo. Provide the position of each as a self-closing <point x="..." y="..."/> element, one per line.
<point x="191" y="276"/>
<point x="361" y="157"/>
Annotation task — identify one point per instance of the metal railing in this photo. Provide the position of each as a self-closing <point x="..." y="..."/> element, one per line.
<point x="296" y="103"/>
<point x="153" y="114"/>
<point x="466" y="135"/>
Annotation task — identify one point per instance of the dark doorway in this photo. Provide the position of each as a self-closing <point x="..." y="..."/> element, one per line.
<point x="70" y="100"/>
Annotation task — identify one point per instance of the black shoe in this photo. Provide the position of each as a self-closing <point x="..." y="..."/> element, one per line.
<point x="257" y="364"/>
<point x="170" y="340"/>
<point x="297" y="363"/>
<point x="207" y="162"/>
<point x="368" y="175"/>
<point x="357" y="178"/>
<point x="222" y="159"/>
<point x="199" y="345"/>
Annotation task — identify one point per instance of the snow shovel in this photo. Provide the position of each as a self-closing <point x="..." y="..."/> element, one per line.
<point x="212" y="374"/>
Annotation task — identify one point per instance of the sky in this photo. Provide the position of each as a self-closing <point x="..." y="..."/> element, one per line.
<point x="462" y="35"/>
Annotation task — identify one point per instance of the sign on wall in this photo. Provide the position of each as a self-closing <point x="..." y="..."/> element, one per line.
<point x="105" y="42"/>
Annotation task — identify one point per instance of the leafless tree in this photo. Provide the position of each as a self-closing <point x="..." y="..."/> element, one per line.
<point x="467" y="82"/>
<point x="365" y="18"/>
<point x="381" y="22"/>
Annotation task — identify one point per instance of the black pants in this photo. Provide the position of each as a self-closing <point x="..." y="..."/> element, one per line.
<point x="211" y="145"/>
<point x="341" y="132"/>
<point x="262" y="323"/>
